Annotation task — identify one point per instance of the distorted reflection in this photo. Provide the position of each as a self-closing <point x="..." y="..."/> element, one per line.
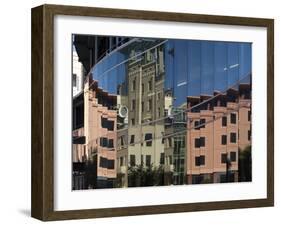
<point x="153" y="112"/>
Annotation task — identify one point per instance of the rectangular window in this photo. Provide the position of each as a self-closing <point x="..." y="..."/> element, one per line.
<point x="147" y="160"/>
<point x="232" y="137"/>
<point x="107" y="124"/>
<point x="223" y="139"/>
<point x="159" y="112"/>
<point x="142" y="106"/>
<point x="133" y="106"/>
<point x="132" y="160"/>
<point x="249" y="135"/>
<point x="103" y="162"/>
<point x="110" y="143"/>
<point x="150" y="85"/>
<point x="103" y="122"/>
<point x="224" y="121"/>
<point x="133" y="85"/>
<point x="162" y="158"/>
<point x="202" y="123"/>
<point x="148" y="138"/>
<point x="197" y="161"/>
<point x="110" y="164"/>
<point x="142" y="88"/>
<point x="233" y="156"/>
<point x="132" y="140"/>
<point x="196" y="125"/>
<point x="103" y="142"/>
<point x="197" y="142"/>
<point x="133" y="121"/>
<point x="233" y="118"/>
<point x="202" y="141"/>
<point x="202" y="160"/>
<point x="110" y="125"/>
<point x="223" y="158"/>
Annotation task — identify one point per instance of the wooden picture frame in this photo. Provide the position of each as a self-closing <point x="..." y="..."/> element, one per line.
<point x="43" y="108"/>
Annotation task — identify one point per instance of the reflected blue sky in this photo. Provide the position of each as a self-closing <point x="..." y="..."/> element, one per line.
<point x="192" y="67"/>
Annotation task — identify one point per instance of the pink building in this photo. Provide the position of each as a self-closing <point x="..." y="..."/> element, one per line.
<point x="217" y="129"/>
<point x="98" y="150"/>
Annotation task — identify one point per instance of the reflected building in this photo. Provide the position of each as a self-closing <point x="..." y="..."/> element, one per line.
<point x="218" y="127"/>
<point x="144" y="105"/>
<point x="95" y="140"/>
<point x="159" y="112"/>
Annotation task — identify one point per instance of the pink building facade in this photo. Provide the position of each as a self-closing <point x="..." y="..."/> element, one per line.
<point x="217" y="129"/>
<point x="99" y="131"/>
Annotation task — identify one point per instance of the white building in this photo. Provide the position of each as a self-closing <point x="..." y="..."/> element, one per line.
<point x="77" y="74"/>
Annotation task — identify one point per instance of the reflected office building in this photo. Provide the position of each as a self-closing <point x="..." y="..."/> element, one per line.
<point x="156" y="112"/>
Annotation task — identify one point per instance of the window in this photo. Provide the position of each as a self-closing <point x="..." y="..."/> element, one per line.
<point x="148" y="138"/>
<point x="110" y="164"/>
<point x="110" y="125"/>
<point x="224" y="121"/>
<point x="103" y="142"/>
<point x="132" y="140"/>
<point x="202" y="141"/>
<point x="202" y="123"/>
<point x="249" y="135"/>
<point x="150" y="85"/>
<point x="200" y="160"/>
<point x="249" y="116"/>
<point x="223" y="139"/>
<point x="142" y="88"/>
<point x="103" y="162"/>
<point x="132" y="160"/>
<point x="197" y="142"/>
<point x="159" y="112"/>
<point x="103" y="122"/>
<point x="147" y="160"/>
<point x="133" y="106"/>
<point x="107" y="124"/>
<point x="133" y="85"/>
<point x="196" y="125"/>
<point x="74" y="80"/>
<point x="133" y="121"/>
<point x="232" y="137"/>
<point x="233" y="118"/>
<point x="149" y="107"/>
<point x="162" y="158"/>
<point x="110" y="143"/>
<point x="233" y="156"/>
<point x="142" y="106"/>
<point x="197" y="161"/>
<point x="223" y="158"/>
